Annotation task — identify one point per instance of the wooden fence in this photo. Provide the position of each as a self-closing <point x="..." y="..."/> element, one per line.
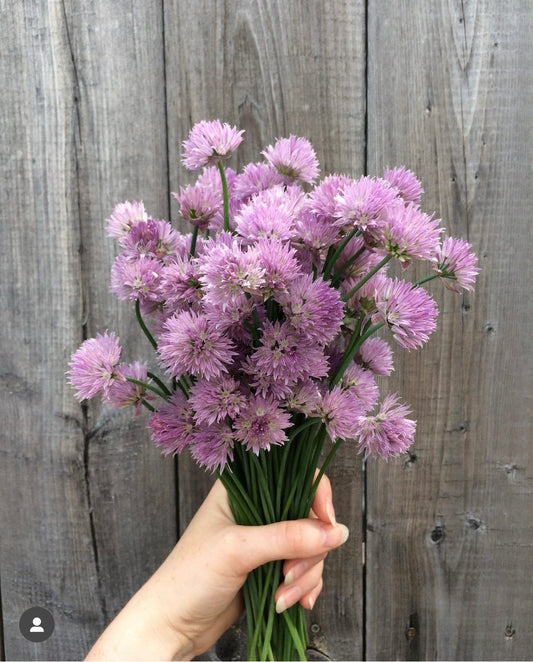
<point x="97" y="96"/>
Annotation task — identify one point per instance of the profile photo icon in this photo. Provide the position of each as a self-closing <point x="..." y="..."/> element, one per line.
<point x="36" y="624"/>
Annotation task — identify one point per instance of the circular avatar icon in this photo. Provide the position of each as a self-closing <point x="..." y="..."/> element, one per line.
<point x="36" y="624"/>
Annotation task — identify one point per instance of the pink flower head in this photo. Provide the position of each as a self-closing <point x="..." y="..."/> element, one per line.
<point x="389" y="433"/>
<point x="280" y="265"/>
<point x="199" y="204"/>
<point x="322" y="200"/>
<point x="228" y="271"/>
<point x="173" y="426"/>
<point x="190" y="344"/>
<point x="233" y="317"/>
<point x="122" y="393"/>
<point x="364" y="298"/>
<point x="313" y="308"/>
<point x="180" y="285"/>
<point x="340" y="411"/>
<point x="210" y="179"/>
<point x="260" y="220"/>
<point x="352" y="269"/>
<point x="123" y="216"/>
<point x="409" y="311"/>
<point x="256" y="177"/>
<point x="360" y="383"/>
<point x="208" y="143"/>
<point x="133" y="279"/>
<point x="294" y="158"/>
<point x="212" y="446"/>
<point x="262" y="424"/>
<point x="456" y="264"/>
<point x="151" y="238"/>
<point x="410" y="234"/>
<point x="314" y="235"/>
<point x="93" y="366"/>
<point x="213" y="400"/>
<point x="375" y="354"/>
<point x="284" y="356"/>
<point x="406" y="184"/>
<point x="363" y="204"/>
<point x="304" y="398"/>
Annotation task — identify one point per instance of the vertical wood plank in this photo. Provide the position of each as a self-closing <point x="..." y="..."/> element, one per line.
<point x="450" y="533"/>
<point x="275" y="68"/>
<point x="91" y="511"/>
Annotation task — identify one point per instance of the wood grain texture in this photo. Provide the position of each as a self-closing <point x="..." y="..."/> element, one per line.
<point x="449" y="532"/>
<point x="275" y="68"/>
<point x="91" y="507"/>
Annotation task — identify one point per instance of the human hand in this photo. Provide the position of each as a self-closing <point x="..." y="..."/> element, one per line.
<point x="194" y="596"/>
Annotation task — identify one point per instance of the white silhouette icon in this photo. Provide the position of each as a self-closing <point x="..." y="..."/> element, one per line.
<point x="37" y="625"/>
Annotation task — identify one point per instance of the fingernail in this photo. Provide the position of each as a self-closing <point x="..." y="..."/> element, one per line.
<point x="311" y="602"/>
<point x="331" y="512"/>
<point x="345" y="533"/>
<point x="289" y="577"/>
<point x="331" y="535"/>
<point x="289" y="598"/>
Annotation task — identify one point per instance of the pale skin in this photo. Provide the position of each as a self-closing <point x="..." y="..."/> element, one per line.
<point x="195" y="595"/>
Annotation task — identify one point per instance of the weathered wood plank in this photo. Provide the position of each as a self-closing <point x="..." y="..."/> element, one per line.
<point x="275" y="68"/>
<point x="450" y="535"/>
<point x="91" y="511"/>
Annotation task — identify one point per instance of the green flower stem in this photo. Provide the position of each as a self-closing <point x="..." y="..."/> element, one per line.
<point x="425" y="280"/>
<point x="147" y="405"/>
<point x="322" y="471"/>
<point x="225" y="195"/>
<point x="193" y="240"/>
<point x="296" y="638"/>
<point x="330" y="261"/>
<point x="351" y="351"/>
<point x="239" y="496"/>
<point x="143" y="325"/>
<point x="337" y="276"/>
<point x="154" y="389"/>
<point x="367" y="277"/>
<point x="161" y="385"/>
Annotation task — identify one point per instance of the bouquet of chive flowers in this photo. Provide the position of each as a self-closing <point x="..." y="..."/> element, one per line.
<point x="263" y="319"/>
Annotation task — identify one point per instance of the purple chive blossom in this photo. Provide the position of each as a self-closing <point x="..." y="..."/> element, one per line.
<point x="256" y="177"/>
<point x="294" y="158"/>
<point x="228" y="271"/>
<point x="259" y="220"/>
<point x="208" y="143"/>
<point x="288" y="199"/>
<point x="93" y="366"/>
<point x="214" y="400"/>
<point x="124" y="215"/>
<point x="363" y="204"/>
<point x="314" y="235"/>
<point x="304" y="398"/>
<point x="389" y="433"/>
<point x="361" y="383"/>
<point x="262" y="424"/>
<point x="173" y="425"/>
<point x="406" y="184"/>
<point x="409" y="312"/>
<point x="313" y="308"/>
<point x="210" y="178"/>
<point x="322" y="200"/>
<point x="133" y="279"/>
<point x="410" y="234"/>
<point x="375" y="354"/>
<point x="340" y="411"/>
<point x="180" y="286"/>
<point x="122" y="393"/>
<point x="190" y="344"/>
<point x="233" y="317"/>
<point x="285" y="356"/>
<point x="151" y="238"/>
<point x="456" y="264"/>
<point x="212" y="446"/>
<point x="199" y="205"/>
<point x="365" y="297"/>
<point x="281" y="268"/>
<point x="359" y="267"/>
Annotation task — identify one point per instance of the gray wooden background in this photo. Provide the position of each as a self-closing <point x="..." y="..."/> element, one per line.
<point x="96" y="97"/>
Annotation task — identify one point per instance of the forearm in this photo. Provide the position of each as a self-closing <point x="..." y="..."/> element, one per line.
<point x="141" y="631"/>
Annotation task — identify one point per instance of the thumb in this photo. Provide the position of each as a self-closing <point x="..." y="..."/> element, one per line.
<point x="286" y="540"/>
